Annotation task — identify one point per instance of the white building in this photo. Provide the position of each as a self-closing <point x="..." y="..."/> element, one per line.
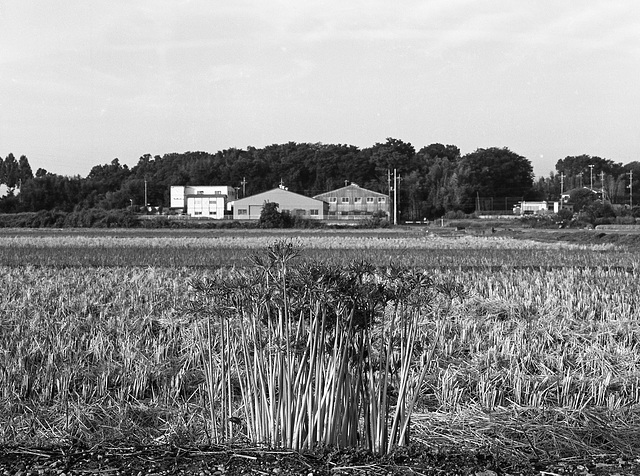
<point x="210" y="201"/>
<point x="536" y="208"/>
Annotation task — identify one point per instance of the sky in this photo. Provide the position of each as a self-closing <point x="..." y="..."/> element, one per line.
<point x="85" y="81"/>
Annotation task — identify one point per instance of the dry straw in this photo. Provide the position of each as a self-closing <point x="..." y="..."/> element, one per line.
<point x="97" y="353"/>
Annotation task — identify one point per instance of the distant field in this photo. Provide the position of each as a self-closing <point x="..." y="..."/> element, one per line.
<point x="184" y="248"/>
<point x="100" y="342"/>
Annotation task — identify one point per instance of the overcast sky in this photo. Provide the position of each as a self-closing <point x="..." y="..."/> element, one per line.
<point x="85" y="81"/>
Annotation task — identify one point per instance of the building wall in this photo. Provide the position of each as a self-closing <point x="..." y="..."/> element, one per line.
<point x="249" y="208"/>
<point x="355" y="203"/>
<point x="177" y="196"/>
<point x="210" y="206"/>
<point x="524" y="208"/>
<point x="203" y="200"/>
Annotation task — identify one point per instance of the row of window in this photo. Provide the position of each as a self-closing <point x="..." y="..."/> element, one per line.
<point x="312" y="212"/>
<point x="211" y="212"/>
<point x="357" y="199"/>
<point x="199" y="202"/>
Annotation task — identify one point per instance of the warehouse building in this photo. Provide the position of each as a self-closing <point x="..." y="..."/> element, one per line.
<point x="249" y="208"/>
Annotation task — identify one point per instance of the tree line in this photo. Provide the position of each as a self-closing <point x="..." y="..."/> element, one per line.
<point x="432" y="181"/>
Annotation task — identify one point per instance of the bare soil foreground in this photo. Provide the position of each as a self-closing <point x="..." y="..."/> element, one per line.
<point x="416" y="460"/>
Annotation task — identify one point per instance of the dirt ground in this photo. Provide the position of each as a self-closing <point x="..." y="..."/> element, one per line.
<point x="416" y="460"/>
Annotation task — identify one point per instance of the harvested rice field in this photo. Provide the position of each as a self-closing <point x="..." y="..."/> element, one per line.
<point x="396" y="351"/>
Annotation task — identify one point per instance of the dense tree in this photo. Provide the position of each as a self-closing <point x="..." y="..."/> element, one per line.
<point x="51" y="191"/>
<point x="270" y="217"/>
<point x="578" y="172"/>
<point x="548" y="188"/>
<point x="109" y="175"/>
<point x="24" y="170"/>
<point x="434" y="180"/>
<point x="498" y="173"/>
<point x="581" y="198"/>
<point x="432" y="190"/>
<point x="10" y="171"/>
<point x="394" y="154"/>
<point x="332" y="165"/>
<point x="429" y="154"/>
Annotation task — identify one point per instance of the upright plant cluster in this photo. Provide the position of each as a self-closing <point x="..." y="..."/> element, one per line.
<point x="300" y="354"/>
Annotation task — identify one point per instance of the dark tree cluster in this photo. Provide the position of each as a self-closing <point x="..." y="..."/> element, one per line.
<point x="578" y="175"/>
<point x="432" y="181"/>
<point x="13" y="173"/>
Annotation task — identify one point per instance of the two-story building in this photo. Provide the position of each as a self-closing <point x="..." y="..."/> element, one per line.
<point x="354" y="203"/>
<point x="203" y="201"/>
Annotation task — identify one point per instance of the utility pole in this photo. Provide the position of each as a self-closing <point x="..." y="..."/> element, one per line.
<point x="243" y="183"/>
<point x="561" y="184"/>
<point x="602" y="184"/>
<point x="591" y="167"/>
<point x="631" y="188"/>
<point x="395" y="197"/>
<point x="580" y="175"/>
<point x="146" y="204"/>
<point x="389" y="192"/>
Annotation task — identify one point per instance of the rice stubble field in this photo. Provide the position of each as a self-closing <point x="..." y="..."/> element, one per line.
<point x="514" y="348"/>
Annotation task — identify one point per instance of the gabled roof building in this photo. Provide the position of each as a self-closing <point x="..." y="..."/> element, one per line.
<point x="354" y="203"/>
<point x="249" y="208"/>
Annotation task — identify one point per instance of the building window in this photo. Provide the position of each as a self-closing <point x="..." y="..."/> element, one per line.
<point x="345" y="199"/>
<point x="333" y="199"/>
<point x="357" y="200"/>
<point x="314" y="212"/>
<point x="242" y="211"/>
<point x="369" y="199"/>
<point x="200" y="192"/>
<point x="382" y="199"/>
<point x="197" y="213"/>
